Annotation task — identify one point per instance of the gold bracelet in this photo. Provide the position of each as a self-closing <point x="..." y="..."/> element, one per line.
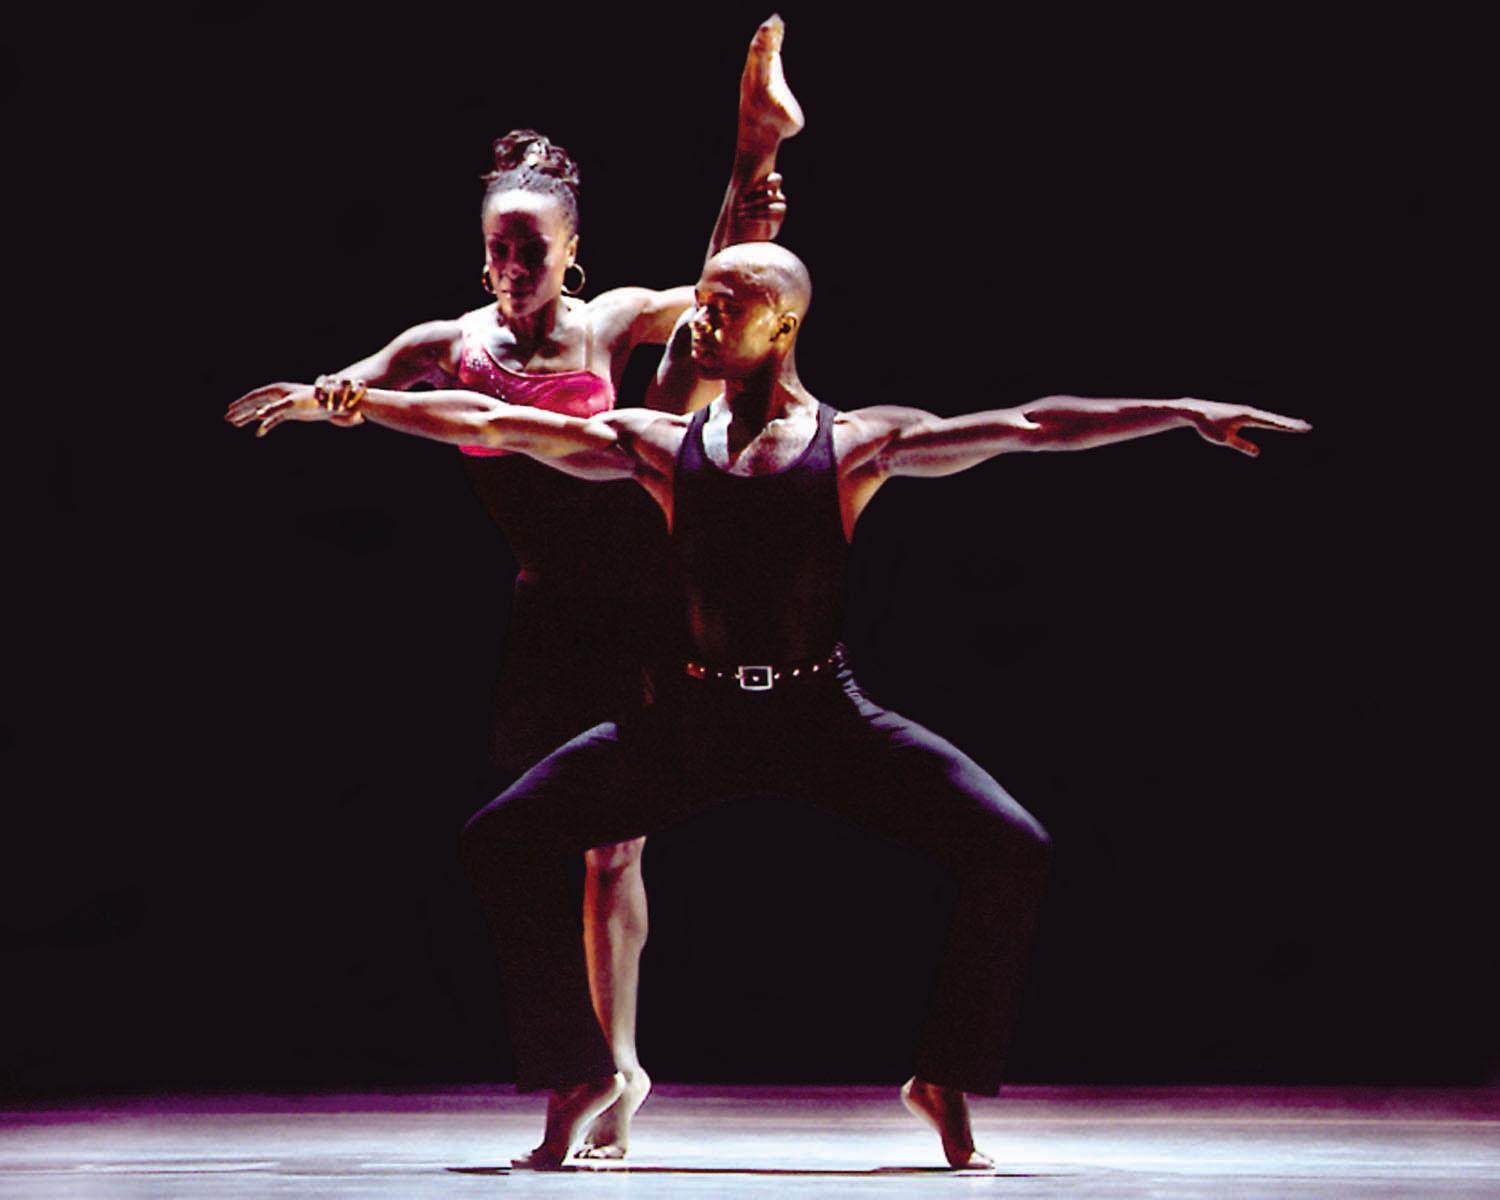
<point x="338" y="395"/>
<point x="353" y="396"/>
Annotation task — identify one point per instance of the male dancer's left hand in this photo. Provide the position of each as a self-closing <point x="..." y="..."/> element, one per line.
<point x="1221" y="423"/>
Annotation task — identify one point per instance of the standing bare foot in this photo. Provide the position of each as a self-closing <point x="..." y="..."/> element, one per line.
<point x="768" y="110"/>
<point x="569" y="1111"/>
<point x="609" y="1135"/>
<point x="946" y="1110"/>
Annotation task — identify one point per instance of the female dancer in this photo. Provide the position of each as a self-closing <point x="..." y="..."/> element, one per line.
<point x="565" y="668"/>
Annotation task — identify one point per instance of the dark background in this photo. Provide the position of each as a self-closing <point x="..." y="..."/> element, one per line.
<point x="248" y="683"/>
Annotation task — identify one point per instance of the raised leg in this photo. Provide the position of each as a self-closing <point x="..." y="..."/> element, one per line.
<point x="754" y="205"/>
<point x="769" y="113"/>
<point x="614" y="932"/>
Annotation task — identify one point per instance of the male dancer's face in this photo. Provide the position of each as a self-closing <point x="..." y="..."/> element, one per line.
<point x="737" y="325"/>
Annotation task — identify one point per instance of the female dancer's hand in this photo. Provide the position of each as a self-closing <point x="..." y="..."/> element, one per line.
<point x="760" y="210"/>
<point x="278" y="402"/>
<point x="1221" y="423"/>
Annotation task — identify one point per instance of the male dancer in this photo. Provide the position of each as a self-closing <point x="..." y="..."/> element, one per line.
<point x="762" y="491"/>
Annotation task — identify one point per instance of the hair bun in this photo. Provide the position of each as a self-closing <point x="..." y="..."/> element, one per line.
<point x="520" y="146"/>
<point x="526" y="149"/>
<point x="527" y="159"/>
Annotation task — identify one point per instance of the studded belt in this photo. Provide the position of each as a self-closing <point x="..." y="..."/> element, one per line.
<point x="763" y="677"/>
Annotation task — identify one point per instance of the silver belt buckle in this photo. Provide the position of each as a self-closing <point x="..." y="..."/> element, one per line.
<point x="755" y="679"/>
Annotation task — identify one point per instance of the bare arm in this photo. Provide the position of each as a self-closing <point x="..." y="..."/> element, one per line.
<point x="460" y="417"/>
<point x="474" y="419"/>
<point x="627" y="317"/>
<point x="896" y="441"/>
<point x="422" y="354"/>
<point x="627" y="443"/>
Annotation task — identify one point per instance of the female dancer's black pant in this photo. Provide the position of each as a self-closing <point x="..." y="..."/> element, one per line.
<point x="705" y="741"/>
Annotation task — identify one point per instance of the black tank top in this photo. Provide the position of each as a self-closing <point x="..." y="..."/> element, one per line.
<point x="761" y="558"/>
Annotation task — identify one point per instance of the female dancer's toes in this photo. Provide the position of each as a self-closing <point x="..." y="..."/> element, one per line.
<point x="605" y="1152"/>
<point x="769" y="34"/>
<point x="976" y="1162"/>
<point x="946" y="1110"/>
<point x="609" y="1136"/>
<point x="768" y="110"/>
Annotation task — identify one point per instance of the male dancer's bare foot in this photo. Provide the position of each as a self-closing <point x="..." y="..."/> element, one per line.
<point x="569" y="1111"/>
<point x="609" y="1135"/>
<point x="946" y="1110"/>
<point x="768" y="110"/>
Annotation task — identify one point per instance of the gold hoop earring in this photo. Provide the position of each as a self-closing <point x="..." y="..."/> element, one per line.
<point x="484" y="281"/>
<point x="582" y="279"/>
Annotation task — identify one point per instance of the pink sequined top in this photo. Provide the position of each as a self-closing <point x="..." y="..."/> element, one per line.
<point x="567" y="534"/>
<point x="572" y="393"/>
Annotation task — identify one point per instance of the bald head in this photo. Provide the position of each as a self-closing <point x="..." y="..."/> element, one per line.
<point x="750" y="301"/>
<point x="773" y="271"/>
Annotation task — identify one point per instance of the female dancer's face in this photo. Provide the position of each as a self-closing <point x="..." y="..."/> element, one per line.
<point x="528" y="244"/>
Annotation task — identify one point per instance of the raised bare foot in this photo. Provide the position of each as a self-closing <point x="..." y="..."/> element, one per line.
<point x="768" y="110"/>
<point x="946" y="1110"/>
<point x="569" y="1111"/>
<point x="609" y="1135"/>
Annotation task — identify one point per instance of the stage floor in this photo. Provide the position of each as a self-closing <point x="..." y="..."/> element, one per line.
<point x="755" y="1142"/>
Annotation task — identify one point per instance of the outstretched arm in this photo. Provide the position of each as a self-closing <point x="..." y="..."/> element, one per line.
<point x="422" y="354"/>
<point x="903" y="441"/>
<point x="461" y="417"/>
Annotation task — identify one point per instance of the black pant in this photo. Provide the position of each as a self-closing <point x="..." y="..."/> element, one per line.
<point x="707" y="741"/>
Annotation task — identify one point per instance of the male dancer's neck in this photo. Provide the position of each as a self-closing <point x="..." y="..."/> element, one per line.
<point x="772" y="392"/>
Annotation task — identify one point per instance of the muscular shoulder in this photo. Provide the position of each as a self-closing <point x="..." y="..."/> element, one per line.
<point x="433" y="342"/>
<point x="881" y="419"/>
<point x="862" y="433"/>
<point x="441" y="332"/>
<point x="650" y="437"/>
<point x="422" y="353"/>
<point x="648" y="422"/>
